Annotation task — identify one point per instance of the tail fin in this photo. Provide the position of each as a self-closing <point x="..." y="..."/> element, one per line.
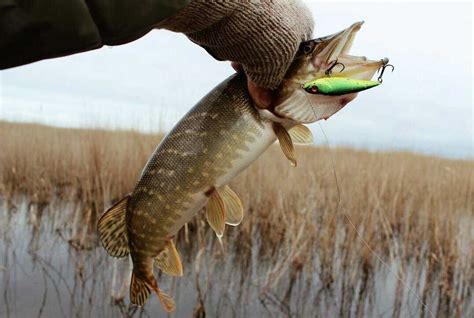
<point x="140" y="291"/>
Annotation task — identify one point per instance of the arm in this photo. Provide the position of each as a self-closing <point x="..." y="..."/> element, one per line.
<point x="41" y="29"/>
<point x="262" y="36"/>
<point x="259" y="36"/>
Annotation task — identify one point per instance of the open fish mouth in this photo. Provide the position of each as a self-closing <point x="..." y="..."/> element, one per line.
<point x="323" y="57"/>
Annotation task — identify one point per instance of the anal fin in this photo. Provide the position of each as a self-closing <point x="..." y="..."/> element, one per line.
<point x="301" y="134"/>
<point x="286" y="144"/>
<point x="113" y="231"/>
<point x="169" y="261"/>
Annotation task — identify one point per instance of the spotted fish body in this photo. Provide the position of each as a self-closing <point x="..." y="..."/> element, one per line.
<point x="218" y="138"/>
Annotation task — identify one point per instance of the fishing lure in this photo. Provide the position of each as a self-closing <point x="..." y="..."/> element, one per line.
<point x="334" y="86"/>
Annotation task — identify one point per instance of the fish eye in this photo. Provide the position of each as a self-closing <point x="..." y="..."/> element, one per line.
<point x="308" y="47"/>
<point x="305" y="48"/>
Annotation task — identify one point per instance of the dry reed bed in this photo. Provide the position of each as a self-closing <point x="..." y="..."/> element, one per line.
<point x="409" y="209"/>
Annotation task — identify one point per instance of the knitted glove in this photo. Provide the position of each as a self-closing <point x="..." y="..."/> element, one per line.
<point x="263" y="36"/>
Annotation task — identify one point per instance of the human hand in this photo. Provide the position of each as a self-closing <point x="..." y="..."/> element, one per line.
<point x="262" y="97"/>
<point x="262" y="37"/>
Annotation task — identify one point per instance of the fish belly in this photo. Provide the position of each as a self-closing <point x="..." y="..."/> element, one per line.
<point x="200" y="199"/>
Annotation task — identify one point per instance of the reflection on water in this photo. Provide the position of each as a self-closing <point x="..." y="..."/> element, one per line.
<point x="51" y="265"/>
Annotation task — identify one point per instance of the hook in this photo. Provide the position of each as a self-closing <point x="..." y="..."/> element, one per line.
<point x="383" y="70"/>
<point x="329" y="70"/>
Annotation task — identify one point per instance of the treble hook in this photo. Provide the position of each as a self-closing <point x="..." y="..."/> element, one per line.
<point x="383" y="70"/>
<point x="329" y="70"/>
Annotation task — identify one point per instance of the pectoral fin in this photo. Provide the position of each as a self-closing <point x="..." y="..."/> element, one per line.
<point x="169" y="261"/>
<point x="234" y="212"/>
<point x="216" y="213"/>
<point x="286" y="144"/>
<point x="112" y="229"/>
<point x="301" y="134"/>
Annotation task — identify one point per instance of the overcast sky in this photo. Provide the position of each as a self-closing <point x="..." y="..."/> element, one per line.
<point x="424" y="106"/>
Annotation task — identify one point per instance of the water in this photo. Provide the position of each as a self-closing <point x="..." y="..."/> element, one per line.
<point x="51" y="265"/>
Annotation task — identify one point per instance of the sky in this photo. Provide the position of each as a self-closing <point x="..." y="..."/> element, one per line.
<point x="424" y="106"/>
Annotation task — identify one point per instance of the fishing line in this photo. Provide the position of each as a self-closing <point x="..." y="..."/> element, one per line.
<point x="340" y="205"/>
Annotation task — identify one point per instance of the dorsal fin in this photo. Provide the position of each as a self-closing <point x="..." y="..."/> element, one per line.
<point x="286" y="144"/>
<point x="169" y="261"/>
<point x="234" y="212"/>
<point x="113" y="231"/>
<point x="301" y="134"/>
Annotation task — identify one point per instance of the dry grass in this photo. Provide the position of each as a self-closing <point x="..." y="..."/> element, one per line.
<point x="411" y="210"/>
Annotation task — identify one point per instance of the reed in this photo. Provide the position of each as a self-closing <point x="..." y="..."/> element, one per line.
<point x="395" y="207"/>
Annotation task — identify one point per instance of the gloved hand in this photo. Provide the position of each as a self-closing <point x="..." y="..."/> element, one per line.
<point x="260" y="36"/>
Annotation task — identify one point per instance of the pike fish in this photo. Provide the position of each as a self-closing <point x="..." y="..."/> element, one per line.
<point x="217" y="139"/>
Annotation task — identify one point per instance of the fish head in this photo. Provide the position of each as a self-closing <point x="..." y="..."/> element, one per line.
<point x="313" y="59"/>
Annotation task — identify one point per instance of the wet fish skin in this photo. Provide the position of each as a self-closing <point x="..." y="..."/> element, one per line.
<point x="221" y="136"/>
<point x="218" y="138"/>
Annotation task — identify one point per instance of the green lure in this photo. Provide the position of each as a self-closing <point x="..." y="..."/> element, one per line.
<point x="335" y="86"/>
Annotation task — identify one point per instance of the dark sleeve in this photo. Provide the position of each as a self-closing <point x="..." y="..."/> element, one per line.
<point x="32" y="30"/>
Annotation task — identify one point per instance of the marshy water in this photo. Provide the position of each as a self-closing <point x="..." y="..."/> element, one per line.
<point x="299" y="252"/>
<point x="52" y="266"/>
